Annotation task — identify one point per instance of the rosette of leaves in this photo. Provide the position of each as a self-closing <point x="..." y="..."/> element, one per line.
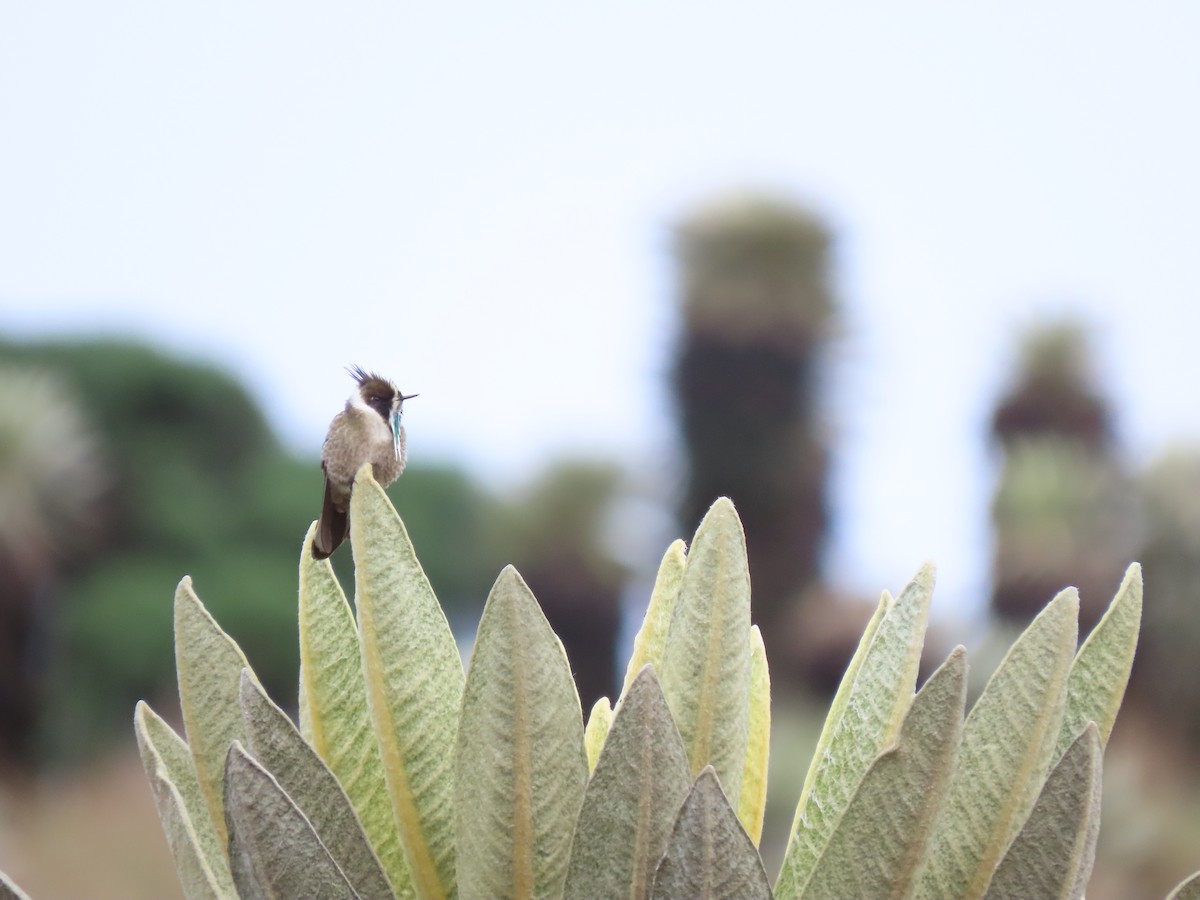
<point x="408" y="777"/>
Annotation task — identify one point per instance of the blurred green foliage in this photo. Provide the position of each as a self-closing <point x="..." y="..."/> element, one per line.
<point x="199" y="485"/>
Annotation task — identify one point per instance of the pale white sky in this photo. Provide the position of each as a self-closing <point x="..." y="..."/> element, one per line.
<point x="478" y="201"/>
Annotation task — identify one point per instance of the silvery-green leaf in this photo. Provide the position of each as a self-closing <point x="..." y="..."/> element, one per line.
<point x="1006" y="751"/>
<point x="652" y="636"/>
<point x="9" y="889"/>
<point x="709" y="854"/>
<point x="414" y="682"/>
<point x="631" y="800"/>
<point x="333" y="694"/>
<point x="209" y="666"/>
<point x="278" y="746"/>
<point x="596" y="731"/>
<point x="1052" y="855"/>
<point x="200" y="859"/>
<point x="753" y="803"/>
<point x="521" y="765"/>
<point x="864" y="720"/>
<point x="875" y="849"/>
<point x="1101" y="668"/>
<point x="705" y="672"/>
<point x="1188" y="889"/>
<point x="273" y="850"/>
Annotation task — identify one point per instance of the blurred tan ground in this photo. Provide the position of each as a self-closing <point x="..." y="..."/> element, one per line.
<point x="90" y="835"/>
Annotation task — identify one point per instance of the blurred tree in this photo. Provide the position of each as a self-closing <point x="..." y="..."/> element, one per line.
<point x="197" y="484"/>
<point x="1165" y="671"/>
<point x="757" y="311"/>
<point x="1064" y="510"/>
<point x="555" y="535"/>
<point x="51" y="483"/>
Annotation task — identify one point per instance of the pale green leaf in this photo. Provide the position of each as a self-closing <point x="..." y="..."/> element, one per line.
<point x="209" y="666"/>
<point x="631" y="801"/>
<point x="414" y="681"/>
<point x="334" y="705"/>
<point x="278" y="746"/>
<point x="1188" y="889"/>
<point x="862" y="723"/>
<point x="753" y="803"/>
<point x="709" y="855"/>
<point x="200" y="859"/>
<point x="1007" y="749"/>
<point x="876" y="848"/>
<point x="1101" y="668"/>
<point x="273" y="850"/>
<point x="1052" y="855"/>
<point x="9" y="889"/>
<point x="521" y="765"/>
<point x="596" y="731"/>
<point x="705" y="672"/>
<point x="652" y="636"/>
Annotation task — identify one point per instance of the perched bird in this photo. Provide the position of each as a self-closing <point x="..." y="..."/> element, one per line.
<point x="368" y="430"/>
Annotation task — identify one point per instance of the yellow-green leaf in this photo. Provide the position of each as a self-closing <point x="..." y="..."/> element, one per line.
<point x="596" y="731"/>
<point x="209" y="666"/>
<point x="705" y="672"/>
<point x="277" y="745"/>
<point x="200" y="860"/>
<point x="1188" y="889"/>
<point x="709" y="855"/>
<point x="876" y="848"/>
<point x="1052" y="855"/>
<point x="334" y="707"/>
<point x="1007" y="749"/>
<point x="1100" y="671"/>
<point x="273" y="849"/>
<point x="862" y="723"/>
<point x="631" y="801"/>
<point x="9" y="889"/>
<point x="521" y="765"/>
<point x="414" y="681"/>
<point x="652" y="636"/>
<point x="753" y="803"/>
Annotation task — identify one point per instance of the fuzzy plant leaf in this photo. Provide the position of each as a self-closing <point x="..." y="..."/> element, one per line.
<point x="1101" y="668"/>
<point x="1052" y="855"/>
<point x="752" y="804"/>
<point x="200" y="859"/>
<point x="299" y="771"/>
<point x="209" y="664"/>
<point x="631" y="801"/>
<point x="273" y="849"/>
<point x="595" y="733"/>
<point x="414" y="683"/>
<point x="1006" y="751"/>
<point x="865" y="718"/>
<point x="335" y="711"/>
<point x="876" y="848"/>
<point x="709" y="855"/>
<point x="652" y="636"/>
<point x="9" y="889"/>
<point x="1188" y="889"/>
<point x="705" y="672"/>
<point x="521" y="766"/>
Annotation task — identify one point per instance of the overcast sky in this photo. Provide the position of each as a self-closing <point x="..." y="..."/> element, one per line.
<point x="478" y="201"/>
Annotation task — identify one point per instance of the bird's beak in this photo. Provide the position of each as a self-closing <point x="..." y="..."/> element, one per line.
<point x="395" y="421"/>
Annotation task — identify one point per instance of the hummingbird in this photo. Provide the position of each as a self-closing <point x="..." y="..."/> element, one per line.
<point x="368" y="430"/>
